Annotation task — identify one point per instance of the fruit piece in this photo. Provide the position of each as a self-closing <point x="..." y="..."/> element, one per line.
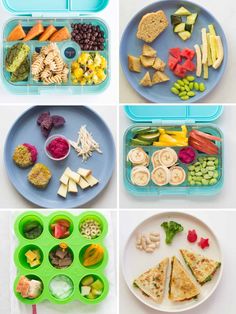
<point x="59" y="231"/>
<point x="189" y="65"/>
<point x="187" y="155"/>
<point x="93" y="255"/>
<point x="180" y="71"/>
<point x="140" y="176"/>
<point x="172" y="62"/>
<point x="51" y="29"/>
<point x="60" y="35"/>
<point x="184" y="35"/>
<point x="91" y="296"/>
<point x="160" y="175"/>
<point x="17" y="33"/>
<point x="176" y="53"/>
<point x="98" y="285"/>
<point x="203" y="243"/>
<point x="187" y="53"/>
<point x="182" y="11"/>
<point x="87" y="281"/>
<point x="35" y="31"/>
<point x="192" y="236"/>
<point x="177" y="175"/>
<point x="206" y="135"/>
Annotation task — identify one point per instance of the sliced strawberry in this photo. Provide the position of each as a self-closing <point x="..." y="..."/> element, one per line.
<point x="206" y="135"/>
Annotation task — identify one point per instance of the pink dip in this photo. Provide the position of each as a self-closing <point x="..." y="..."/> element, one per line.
<point x="58" y="148"/>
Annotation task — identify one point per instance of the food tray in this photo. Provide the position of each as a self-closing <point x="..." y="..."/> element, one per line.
<point x="25" y="130"/>
<point x="30" y="86"/>
<point x="161" y="93"/>
<point x="45" y="242"/>
<point x="185" y="188"/>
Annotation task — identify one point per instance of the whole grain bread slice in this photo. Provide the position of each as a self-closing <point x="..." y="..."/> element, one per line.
<point x="151" y="26"/>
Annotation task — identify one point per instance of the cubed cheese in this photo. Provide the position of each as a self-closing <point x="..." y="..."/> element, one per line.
<point x="62" y="191"/>
<point x="91" y="180"/>
<point x="72" y="187"/>
<point x="85" y="290"/>
<point x="84" y="172"/>
<point x="83" y="184"/>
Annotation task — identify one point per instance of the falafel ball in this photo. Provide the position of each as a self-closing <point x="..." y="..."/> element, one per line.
<point x="39" y="176"/>
<point x="25" y="155"/>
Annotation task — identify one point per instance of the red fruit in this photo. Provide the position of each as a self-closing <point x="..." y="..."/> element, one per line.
<point x="172" y="62"/>
<point x="59" y="232"/>
<point x="206" y="135"/>
<point x="203" y="243"/>
<point x="175" y="52"/>
<point x="192" y="236"/>
<point x="180" y="71"/>
<point x="189" y="65"/>
<point x="188" y="53"/>
<point x="64" y="223"/>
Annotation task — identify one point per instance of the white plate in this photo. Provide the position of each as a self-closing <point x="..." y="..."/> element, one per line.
<point x="136" y="262"/>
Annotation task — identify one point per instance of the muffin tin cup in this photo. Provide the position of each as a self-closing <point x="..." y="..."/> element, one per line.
<point x="31" y="85"/>
<point x="46" y="271"/>
<point x="185" y="188"/>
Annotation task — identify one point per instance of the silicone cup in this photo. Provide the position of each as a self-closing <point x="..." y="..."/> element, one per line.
<point x="99" y="218"/>
<point x="59" y="216"/>
<point x="46" y="271"/>
<point x="54" y="249"/>
<point x="25" y="218"/>
<point x="99" y="298"/>
<point x="101" y="265"/>
<point x="20" y="256"/>
<point x="59" y="22"/>
<point x="151" y="188"/>
<point x="55" y="300"/>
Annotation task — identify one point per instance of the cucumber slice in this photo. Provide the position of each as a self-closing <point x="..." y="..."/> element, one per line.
<point x="179" y="28"/>
<point x="137" y="142"/>
<point x="182" y="11"/>
<point x="149" y="137"/>
<point x="184" y="35"/>
<point x="140" y="130"/>
<point x="191" y="19"/>
<point x="175" y="20"/>
<point x="189" y="27"/>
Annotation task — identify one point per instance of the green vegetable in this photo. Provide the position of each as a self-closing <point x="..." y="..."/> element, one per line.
<point x="189" y="27"/>
<point x="32" y="230"/>
<point x="149" y="137"/>
<point x="175" y="20"/>
<point x="182" y="11"/>
<point x="144" y="130"/>
<point x="185" y="97"/>
<point x="171" y="229"/>
<point x="138" y="142"/>
<point x="202" y="87"/>
<point x="179" y="28"/>
<point x="184" y="35"/>
<point x="175" y="91"/>
<point x="191" y="19"/>
<point x="190" y="78"/>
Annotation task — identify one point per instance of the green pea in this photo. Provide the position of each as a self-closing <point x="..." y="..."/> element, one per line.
<point x="176" y="85"/>
<point x="191" y="85"/>
<point x="211" y="168"/>
<point x="182" y="94"/>
<point x="186" y="82"/>
<point x="204" y="170"/>
<point x="190" y="78"/>
<point x="180" y="82"/>
<point x="187" y="88"/>
<point x="211" y="174"/>
<point x="192" y="173"/>
<point x="213" y="181"/>
<point x="185" y="97"/>
<point x="196" y="85"/>
<point x="191" y="94"/>
<point x="205" y="182"/>
<point x="202" y="87"/>
<point x="182" y="89"/>
<point x="174" y="91"/>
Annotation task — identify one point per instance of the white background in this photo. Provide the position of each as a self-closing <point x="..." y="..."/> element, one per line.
<point x="109" y="96"/>
<point x="10" y="198"/>
<point x="225" y="12"/>
<point x="226" y="198"/>
<point x="223" y="300"/>
<point x="8" y="301"/>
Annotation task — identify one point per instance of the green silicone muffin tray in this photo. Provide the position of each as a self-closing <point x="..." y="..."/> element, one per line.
<point x="69" y="50"/>
<point x="46" y="242"/>
<point x="183" y="189"/>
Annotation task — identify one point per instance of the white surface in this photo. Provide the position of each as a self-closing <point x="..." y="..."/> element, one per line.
<point x="223" y="300"/>
<point x="109" y="96"/>
<point x="136" y="262"/>
<point x="224" y="199"/>
<point x="224" y="12"/>
<point x="10" y="305"/>
<point x="10" y="198"/>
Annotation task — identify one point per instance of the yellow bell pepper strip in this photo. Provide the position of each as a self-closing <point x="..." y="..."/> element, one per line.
<point x="167" y="138"/>
<point x="167" y="144"/>
<point x="93" y="255"/>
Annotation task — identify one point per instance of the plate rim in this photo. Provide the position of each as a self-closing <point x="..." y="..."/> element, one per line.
<point x="193" y="305"/>
<point x="191" y="100"/>
<point x="45" y="205"/>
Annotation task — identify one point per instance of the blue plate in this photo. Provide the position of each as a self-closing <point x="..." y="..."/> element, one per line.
<point x="26" y="130"/>
<point x="131" y="45"/>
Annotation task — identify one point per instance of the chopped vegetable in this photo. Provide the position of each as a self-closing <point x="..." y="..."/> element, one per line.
<point x="204" y="46"/>
<point x="171" y="229"/>
<point x="91" y="287"/>
<point x="32" y="229"/>
<point x="220" y="50"/>
<point x="17" y="33"/>
<point x="93" y="255"/>
<point x="60" y="35"/>
<point x="192" y="236"/>
<point x="33" y="258"/>
<point x="47" y="33"/>
<point x="183" y="22"/>
<point x="35" y="31"/>
<point x="203" y="243"/>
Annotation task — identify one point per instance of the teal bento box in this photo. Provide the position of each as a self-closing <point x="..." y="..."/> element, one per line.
<point x="204" y="175"/>
<point x="61" y="15"/>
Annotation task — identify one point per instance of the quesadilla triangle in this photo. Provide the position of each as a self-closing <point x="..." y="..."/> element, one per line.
<point x="181" y="286"/>
<point x="152" y="282"/>
<point x="201" y="267"/>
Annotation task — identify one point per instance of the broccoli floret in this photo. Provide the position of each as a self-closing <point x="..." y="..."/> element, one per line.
<point x="171" y="229"/>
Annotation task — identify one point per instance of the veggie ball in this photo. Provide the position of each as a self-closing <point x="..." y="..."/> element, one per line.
<point x="25" y="155"/>
<point x="39" y="176"/>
